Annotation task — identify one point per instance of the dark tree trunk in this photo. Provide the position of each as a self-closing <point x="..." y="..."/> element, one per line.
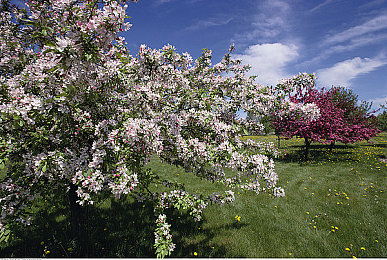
<point x="279" y="143"/>
<point x="331" y="145"/>
<point x="307" y="144"/>
<point x="78" y="232"/>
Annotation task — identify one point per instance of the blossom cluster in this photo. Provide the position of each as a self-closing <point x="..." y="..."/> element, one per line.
<point x="163" y="238"/>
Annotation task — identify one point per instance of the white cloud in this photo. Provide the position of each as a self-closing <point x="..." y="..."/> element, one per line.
<point x="376" y="102"/>
<point x="343" y="72"/>
<point x="375" y="24"/>
<point x="268" y="61"/>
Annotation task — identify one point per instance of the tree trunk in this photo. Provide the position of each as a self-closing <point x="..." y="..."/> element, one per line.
<point x="77" y="232"/>
<point x="307" y="144"/>
<point x="332" y="144"/>
<point x="279" y="139"/>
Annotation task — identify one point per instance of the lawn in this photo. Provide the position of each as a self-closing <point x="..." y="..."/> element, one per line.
<point x="335" y="206"/>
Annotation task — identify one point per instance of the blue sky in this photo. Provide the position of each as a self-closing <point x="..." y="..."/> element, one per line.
<point x="342" y="41"/>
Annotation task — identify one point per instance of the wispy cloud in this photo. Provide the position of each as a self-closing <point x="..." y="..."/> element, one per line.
<point x="160" y="2"/>
<point x="372" y="4"/>
<point x="269" y="61"/>
<point x="271" y="19"/>
<point x="343" y="72"/>
<point x="163" y="1"/>
<point x="202" y="24"/>
<point x="321" y="5"/>
<point x="366" y="34"/>
<point x="345" y="47"/>
<point x="375" y="24"/>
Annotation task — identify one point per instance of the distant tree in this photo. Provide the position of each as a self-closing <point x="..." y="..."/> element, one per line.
<point x="381" y="119"/>
<point x="264" y="121"/>
<point x="357" y="115"/>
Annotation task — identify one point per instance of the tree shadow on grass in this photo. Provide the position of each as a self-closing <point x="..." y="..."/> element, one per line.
<point x="120" y="229"/>
<point x="317" y="153"/>
<point x="191" y="237"/>
<point x="374" y="145"/>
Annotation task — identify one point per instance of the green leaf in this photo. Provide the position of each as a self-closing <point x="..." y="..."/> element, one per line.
<point x="88" y="56"/>
<point x="44" y="32"/>
<point x="51" y="44"/>
<point x="44" y="168"/>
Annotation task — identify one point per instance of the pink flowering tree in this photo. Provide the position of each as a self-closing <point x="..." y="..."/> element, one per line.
<point x="80" y="115"/>
<point x="339" y="118"/>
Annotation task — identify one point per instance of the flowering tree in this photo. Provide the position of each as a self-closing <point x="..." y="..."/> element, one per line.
<point x="81" y="115"/>
<point x="339" y="117"/>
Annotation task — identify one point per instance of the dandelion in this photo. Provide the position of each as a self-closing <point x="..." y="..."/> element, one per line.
<point x="307" y="212"/>
<point x="42" y="243"/>
<point x="238" y="218"/>
<point x="195" y="254"/>
<point x="47" y="252"/>
<point x="362" y="248"/>
<point x="275" y="206"/>
<point x="290" y="254"/>
<point x="347" y="249"/>
<point x="376" y="241"/>
<point x="354" y="257"/>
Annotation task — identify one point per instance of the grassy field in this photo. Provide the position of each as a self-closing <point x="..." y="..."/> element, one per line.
<point x="335" y="206"/>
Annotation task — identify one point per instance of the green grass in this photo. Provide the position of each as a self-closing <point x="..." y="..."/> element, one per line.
<point x="335" y="201"/>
